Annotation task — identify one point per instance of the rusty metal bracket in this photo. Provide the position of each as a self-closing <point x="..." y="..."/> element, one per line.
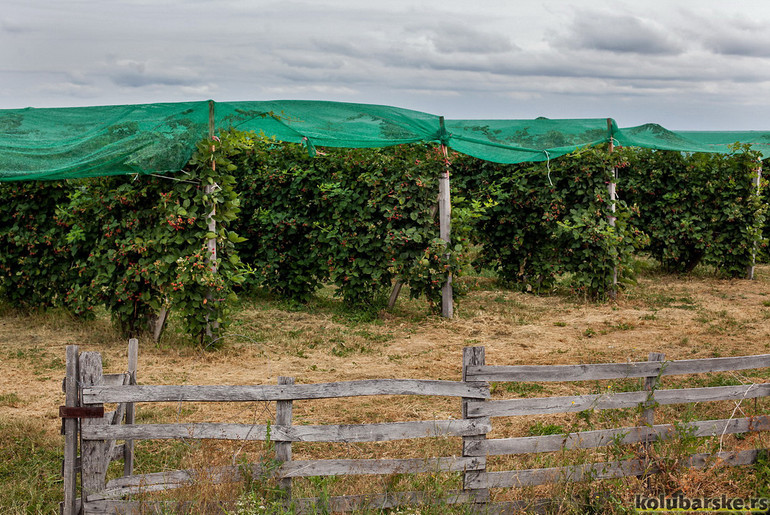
<point x="81" y="411"/>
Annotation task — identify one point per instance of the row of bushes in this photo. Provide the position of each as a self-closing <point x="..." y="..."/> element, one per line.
<point x="134" y="245"/>
<point x="550" y="219"/>
<point x="360" y="219"/>
<point x="699" y="208"/>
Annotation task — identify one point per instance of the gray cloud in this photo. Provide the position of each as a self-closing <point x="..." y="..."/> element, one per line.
<point x="138" y="74"/>
<point x="733" y="36"/>
<point x="451" y="39"/>
<point x="621" y="33"/>
<point x="10" y="26"/>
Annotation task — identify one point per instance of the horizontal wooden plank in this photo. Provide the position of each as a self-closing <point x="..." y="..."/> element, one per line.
<point x="159" y="481"/>
<point x="169" y="480"/>
<point x="572" y="404"/>
<point x="594" y="471"/>
<point x="382" y="432"/>
<point x="528" y="506"/>
<point x="597" y="371"/>
<point x="334" y="504"/>
<point x="379" y="501"/>
<point x="246" y="432"/>
<point x="624" y="435"/>
<point x="325" y="433"/>
<point x="226" y="393"/>
<point x="121" y="507"/>
<point x="390" y="466"/>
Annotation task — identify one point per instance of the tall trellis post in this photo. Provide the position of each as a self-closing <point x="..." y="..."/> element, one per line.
<point x="612" y="190"/>
<point x="757" y="180"/>
<point x="445" y="216"/>
<point x="211" y="243"/>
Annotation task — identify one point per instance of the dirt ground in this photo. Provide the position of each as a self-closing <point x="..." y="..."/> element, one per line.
<point x="681" y="317"/>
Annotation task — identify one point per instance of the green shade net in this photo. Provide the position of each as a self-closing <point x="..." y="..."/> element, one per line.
<point x="337" y="124"/>
<point x="77" y="142"/>
<point x="518" y="141"/>
<point x="67" y="143"/>
<point x="654" y="136"/>
<point x="329" y="124"/>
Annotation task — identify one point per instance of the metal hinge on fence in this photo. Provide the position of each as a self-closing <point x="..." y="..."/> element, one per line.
<point x="81" y="411"/>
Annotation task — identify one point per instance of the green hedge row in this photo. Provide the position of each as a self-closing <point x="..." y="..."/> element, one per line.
<point x="360" y="219"/>
<point x="134" y="245"/>
<point x="699" y="208"/>
<point x="550" y="220"/>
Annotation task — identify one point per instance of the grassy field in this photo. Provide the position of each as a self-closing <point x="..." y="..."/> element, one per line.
<point x="684" y="317"/>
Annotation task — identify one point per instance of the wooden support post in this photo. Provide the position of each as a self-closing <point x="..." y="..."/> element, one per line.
<point x="473" y="356"/>
<point x="445" y="217"/>
<point x="395" y="293"/>
<point x="611" y="189"/>
<point x="650" y="383"/>
<point x="93" y="453"/>
<point x="211" y="243"/>
<point x="69" y="506"/>
<point x="283" y="416"/>
<point x="648" y="415"/>
<point x="128" y="447"/>
<point x="757" y="185"/>
<point x="159" y="323"/>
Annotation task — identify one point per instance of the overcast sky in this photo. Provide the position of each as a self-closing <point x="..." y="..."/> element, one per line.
<point x="686" y="64"/>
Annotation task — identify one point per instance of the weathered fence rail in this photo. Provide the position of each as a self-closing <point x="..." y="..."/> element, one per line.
<point x="87" y="389"/>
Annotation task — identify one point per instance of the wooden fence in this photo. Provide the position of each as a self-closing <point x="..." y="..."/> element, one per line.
<point x="87" y="389"/>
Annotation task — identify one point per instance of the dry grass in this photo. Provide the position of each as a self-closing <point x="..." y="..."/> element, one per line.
<point x="682" y="317"/>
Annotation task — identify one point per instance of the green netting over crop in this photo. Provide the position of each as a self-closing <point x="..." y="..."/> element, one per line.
<point x="160" y="138"/>
<point x="518" y="141"/>
<point x="719" y="142"/>
<point x="94" y="141"/>
<point x="330" y="124"/>
<point x="654" y="136"/>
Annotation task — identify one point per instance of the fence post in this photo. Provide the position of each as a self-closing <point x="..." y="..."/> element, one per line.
<point x="648" y="415"/>
<point x="93" y="458"/>
<point x="69" y="506"/>
<point x="283" y="415"/>
<point x="128" y="445"/>
<point x="473" y="356"/>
